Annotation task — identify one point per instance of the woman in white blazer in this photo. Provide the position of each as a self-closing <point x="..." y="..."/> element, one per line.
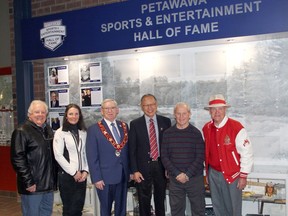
<point x="69" y="149"/>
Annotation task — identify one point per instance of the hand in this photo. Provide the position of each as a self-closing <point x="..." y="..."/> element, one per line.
<point x="182" y="178"/>
<point x="100" y="185"/>
<point x="77" y="176"/>
<point x="83" y="176"/>
<point x="138" y="177"/>
<point x="32" y="188"/>
<point x="242" y="183"/>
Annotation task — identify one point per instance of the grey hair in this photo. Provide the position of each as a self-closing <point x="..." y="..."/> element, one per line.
<point x="109" y="100"/>
<point x="36" y="102"/>
<point x="184" y="105"/>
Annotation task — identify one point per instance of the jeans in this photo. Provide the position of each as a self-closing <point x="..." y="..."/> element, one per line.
<point x="38" y="204"/>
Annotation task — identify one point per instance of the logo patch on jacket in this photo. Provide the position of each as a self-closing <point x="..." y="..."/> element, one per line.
<point x="246" y="142"/>
<point x="227" y="140"/>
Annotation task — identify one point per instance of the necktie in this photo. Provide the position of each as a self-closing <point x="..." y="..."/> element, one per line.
<point x="153" y="141"/>
<point x="115" y="133"/>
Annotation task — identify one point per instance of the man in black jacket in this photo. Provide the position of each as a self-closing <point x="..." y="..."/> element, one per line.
<point x="145" y="161"/>
<point x="33" y="160"/>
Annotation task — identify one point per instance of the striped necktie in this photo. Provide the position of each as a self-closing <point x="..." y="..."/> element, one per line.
<point x="115" y="133"/>
<point x="153" y="141"/>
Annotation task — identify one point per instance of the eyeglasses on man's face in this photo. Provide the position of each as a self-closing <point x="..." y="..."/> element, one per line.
<point x="106" y="109"/>
<point x="149" y="105"/>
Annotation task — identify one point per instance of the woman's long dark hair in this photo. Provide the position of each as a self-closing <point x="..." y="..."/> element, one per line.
<point x="80" y="124"/>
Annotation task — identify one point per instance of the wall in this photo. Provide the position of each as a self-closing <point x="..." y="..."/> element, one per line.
<point x="8" y="176"/>
<point x="39" y="8"/>
<point x="5" y="60"/>
<point x="252" y="75"/>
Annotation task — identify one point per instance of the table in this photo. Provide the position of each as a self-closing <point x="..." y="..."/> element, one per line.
<point x="273" y="173"/>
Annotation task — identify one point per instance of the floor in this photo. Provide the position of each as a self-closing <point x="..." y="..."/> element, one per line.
<point x="9" y="206"/>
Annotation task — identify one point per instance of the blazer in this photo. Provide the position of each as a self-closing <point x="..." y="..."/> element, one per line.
<point x="75" y="160"/>
<point x="56" y="103"/>
<point x="102" y="160"/>
<point x="139" y="145"/>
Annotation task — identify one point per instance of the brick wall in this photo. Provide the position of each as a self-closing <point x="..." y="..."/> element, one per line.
<point x="41" y="8"/>
<point x="38" y="8"/>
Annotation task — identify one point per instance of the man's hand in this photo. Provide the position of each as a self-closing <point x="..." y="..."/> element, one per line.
<point x="100" y="185"/>
<point x="182" y="178"/>
<point x="242" y="183"/>
<point x="138" y="177"/>
<point x="32" y="188"/>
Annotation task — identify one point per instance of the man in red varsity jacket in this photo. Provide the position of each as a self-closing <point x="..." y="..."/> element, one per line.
<point x="228" y="158"/>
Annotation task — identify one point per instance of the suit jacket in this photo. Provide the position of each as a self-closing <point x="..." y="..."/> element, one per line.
<point x="139" y="145"/>
<point x="102" y="161"/>
<point x="56" y="103"/>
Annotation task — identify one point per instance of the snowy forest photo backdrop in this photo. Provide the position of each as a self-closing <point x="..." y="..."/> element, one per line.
<point x="253" y="76"/>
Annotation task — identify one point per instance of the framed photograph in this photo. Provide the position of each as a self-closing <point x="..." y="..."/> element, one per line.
<point x="56" y="120"/>
<point x="90" y="72"/>
<point x="91" y="96"/>
<point x="58" y="75"/>
<point x="58" y="98"/>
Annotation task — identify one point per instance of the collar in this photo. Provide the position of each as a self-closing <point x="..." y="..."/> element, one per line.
<point x="109" y="122"/>
<point x="69" y="127"/>
<point x="35" y="125"/>
<point x="147" y="119"/>
<point x="222" y="123"/>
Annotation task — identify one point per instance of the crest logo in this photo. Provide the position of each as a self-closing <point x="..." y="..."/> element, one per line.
<point x="53" y="34"/>
<point x="227" y="140"/>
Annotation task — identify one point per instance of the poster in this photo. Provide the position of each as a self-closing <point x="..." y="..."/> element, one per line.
<point x="58" y="75"/>
<point x="91" y="96"/>
<point x="58" y="98"/>
<point x="56" y="120"/>
<point x="90" y="72"/>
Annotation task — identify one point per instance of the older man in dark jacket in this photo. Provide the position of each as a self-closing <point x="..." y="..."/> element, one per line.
<point x="33" y="160"/>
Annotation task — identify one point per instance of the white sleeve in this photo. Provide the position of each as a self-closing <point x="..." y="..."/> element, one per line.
<point x="58" y="148"/>
<point x="244" y="148"/>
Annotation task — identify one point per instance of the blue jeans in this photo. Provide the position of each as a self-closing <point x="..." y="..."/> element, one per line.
<point x="38" y="204"/>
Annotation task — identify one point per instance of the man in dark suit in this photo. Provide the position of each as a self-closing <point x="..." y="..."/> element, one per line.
<point x="107" y="156"/>
<point x="147" y="168"/>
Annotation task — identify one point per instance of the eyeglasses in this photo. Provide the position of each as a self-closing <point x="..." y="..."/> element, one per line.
<point x="149" y="105"/>
<point x="109" y="108"/>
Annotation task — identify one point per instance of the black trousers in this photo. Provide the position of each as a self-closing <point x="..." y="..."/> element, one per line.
<point x="72" y="194"/>
<point x="157" y="181"/>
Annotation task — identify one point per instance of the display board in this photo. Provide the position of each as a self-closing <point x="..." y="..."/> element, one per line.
<point x="251" y="75"/>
